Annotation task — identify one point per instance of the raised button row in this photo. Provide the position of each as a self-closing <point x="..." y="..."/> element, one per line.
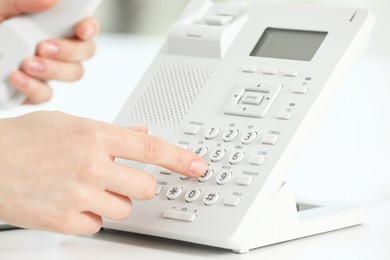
<point x="236" y="157"/>
<point x="194" y="194"/>
<point x="230" y="134"/>
<point x="270" y="71"/>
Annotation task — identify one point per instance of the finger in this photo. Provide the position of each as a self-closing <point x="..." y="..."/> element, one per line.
<point x="132" y="183"/>
<point x="87" y="29"/>
<point x="85" y="223"/>
<point x="10" y="8"/>
<point x="110" y="205"/>
<point x="141" y="129"/>
<point x="46" y="69"/>
<point x="136" y="146"/>
<point x="36" y="91"/>
<point x="70" y="50"/>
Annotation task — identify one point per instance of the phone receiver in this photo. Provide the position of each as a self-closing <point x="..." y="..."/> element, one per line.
<point x="19" y="37"/>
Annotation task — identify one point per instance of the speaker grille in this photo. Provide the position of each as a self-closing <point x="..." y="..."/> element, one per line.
<point x="169" y="95"/>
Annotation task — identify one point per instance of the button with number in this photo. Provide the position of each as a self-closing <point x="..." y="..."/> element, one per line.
<point x="236" y="157"/>
<point x="207" y="175"/>
<point x="230" y="134"/>
<point x="184" y="178"/>
<point x="217" y="154"/>
<point x="192" y="195"/>
<point x="248" y="137"/>
<point x="212" y="132"/>
<point x="224" y="177"/>
<point x="174" y="192"/>
<point x="200" y="150"/>
<point x="210" y="198"/>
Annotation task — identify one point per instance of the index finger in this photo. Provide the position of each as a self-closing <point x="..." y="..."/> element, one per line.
<point x="136" y="146"/>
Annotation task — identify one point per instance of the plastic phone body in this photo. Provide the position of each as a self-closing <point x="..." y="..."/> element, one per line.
<point x="241" y="85"/>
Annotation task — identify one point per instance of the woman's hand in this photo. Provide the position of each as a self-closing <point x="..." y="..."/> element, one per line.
<point x="57" y="171"/>
<point x="58" y="59"/>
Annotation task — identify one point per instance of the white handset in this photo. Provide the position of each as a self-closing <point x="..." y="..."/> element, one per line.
<point x="20" y="36"/>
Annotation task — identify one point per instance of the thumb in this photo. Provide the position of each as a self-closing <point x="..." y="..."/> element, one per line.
<point x="10" y="8"/>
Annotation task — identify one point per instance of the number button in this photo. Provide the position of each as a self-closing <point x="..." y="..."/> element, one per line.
<point x="249" y="137"/>
<point x="212" y="132"/>
<point x="174" y="192"/>
<point x="217" y="155"/>
<point x="192" y="195"/>
<point x="236" y="157"/>
<point x="210" y="198"/>
<point x="200" y="150"/>
<point x="224" y="177"/>
<point x="207" y="175"/>
<point x="230" y="134"/>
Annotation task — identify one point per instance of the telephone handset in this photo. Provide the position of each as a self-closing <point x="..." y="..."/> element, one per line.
<point x="20" y="36"/>
<point x="240" y="85"/>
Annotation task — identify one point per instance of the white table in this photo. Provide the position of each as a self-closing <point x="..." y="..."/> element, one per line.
<point x="345" y="160"/>
<point x="370" y="241"/>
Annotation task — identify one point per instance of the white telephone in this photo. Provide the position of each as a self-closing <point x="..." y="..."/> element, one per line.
<point x="240" y="85"/>
<point x="20" y="36"/>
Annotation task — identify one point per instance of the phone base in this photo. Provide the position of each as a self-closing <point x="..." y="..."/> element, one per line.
<point x="288" y="219"/>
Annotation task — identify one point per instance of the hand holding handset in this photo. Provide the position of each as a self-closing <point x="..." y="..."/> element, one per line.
<point x="19" y="37"/>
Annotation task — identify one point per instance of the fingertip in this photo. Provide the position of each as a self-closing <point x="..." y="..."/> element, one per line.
<point x="140" y="129"/>
<point x="34" y="6"/>
<point x="88" y="29"/>
<point x="198" y="167"/>
<point x="19" y="80"/>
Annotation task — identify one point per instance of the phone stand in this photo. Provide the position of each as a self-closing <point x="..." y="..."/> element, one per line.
<point x="289" y="219"/>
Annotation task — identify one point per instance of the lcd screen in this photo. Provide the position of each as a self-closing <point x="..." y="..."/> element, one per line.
<point x="289" y="44"/>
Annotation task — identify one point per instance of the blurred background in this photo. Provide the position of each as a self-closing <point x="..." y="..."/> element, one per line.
<point x="153" y="17"/>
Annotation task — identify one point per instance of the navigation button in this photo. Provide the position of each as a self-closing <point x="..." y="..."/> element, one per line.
<point x="252" y="98"/>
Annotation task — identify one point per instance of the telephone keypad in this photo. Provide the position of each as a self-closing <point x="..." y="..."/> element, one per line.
<point x="200" y="150"/>
<point x="174" y="192"/>
<point x="207" y="175"/>
<point x="248" y="137"/>
<point x="192" y="195"/>
<point x="211" y="198"/>
<point x="212" y="132"/>
<point x="230" y="134"/>
<point x="236" y="157"/>
<point x="217" y="154"/>
<point x="224" y="177"/>
<point x="222" y="171"/>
